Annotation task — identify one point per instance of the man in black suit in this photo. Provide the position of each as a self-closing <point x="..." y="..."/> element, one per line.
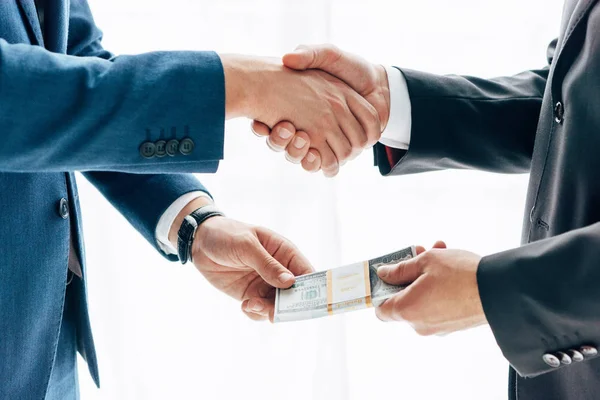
<point x="541" y="299"/>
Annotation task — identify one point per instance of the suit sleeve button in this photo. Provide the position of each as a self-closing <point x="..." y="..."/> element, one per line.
<point x="160" y="148"/>
<point x="575" y="355"/>
<point x="564" y="357"/>
<point x="551" y="360"/>
<point x="588" y="351"/>
<point x="186" y="146"/>
<point x="172" y="147"/>
<point x="147" y="149"/>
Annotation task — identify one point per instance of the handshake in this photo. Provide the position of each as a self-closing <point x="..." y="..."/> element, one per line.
<point x="322" y="106"/>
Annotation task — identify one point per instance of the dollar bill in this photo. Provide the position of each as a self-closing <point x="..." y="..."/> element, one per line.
<point x="348" y="288"/>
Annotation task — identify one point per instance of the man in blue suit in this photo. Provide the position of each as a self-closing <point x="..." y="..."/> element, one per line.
<point x="133" y="125"/>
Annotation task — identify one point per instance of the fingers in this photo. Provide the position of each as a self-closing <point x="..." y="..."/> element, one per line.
<point x="312" y="161"/>
<point x="258" y="309"/>
<point x="384" y="312"/>
<point x="260" y="129"/>
<point x="439" y="245"/>
<point x="355" y="134"/>
<point x="391" y="309"/>
<point x="404" y="305"/>
<point x="403" y="273"/>
<point x="408" y="271"/>
<point x="329" y="162"/>
<point x="298" y="147"/>
<point x="368" y="117"/>
<point x="296" y="150"/>
<point x="255" y="256"/>
<point x="341" y="150"/>
<point x="261" y="302"/>
<point x="281" y="136"/>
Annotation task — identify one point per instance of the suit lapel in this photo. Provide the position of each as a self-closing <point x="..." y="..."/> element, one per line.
<point x="28" y="8"/>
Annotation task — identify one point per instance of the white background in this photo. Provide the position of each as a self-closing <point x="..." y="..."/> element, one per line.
<point x="163" y="333"/>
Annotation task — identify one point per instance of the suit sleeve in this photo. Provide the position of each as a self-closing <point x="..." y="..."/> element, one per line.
<point x="462" y="122"/>
<point x="143" y="198"/>
<point x="65" y="112"/>
<point x="140" y="198"/>
<point x="556" y="311"/>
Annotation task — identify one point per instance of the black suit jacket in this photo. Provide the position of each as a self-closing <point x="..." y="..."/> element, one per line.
<point x="544" y="296"/>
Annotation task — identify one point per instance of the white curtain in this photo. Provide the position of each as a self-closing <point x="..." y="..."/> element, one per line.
<point x="162" y="332"/>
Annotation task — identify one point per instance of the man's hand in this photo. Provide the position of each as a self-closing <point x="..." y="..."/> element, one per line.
<point x="442" y="296"/>
<point x="244" y="261"/>
<point x="367" y="79"/>
<point x="338" y="121"/>
<point x="296" y="144"/>
<point x="247" y="263"/>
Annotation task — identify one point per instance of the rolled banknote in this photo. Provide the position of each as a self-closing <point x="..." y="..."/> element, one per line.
<point x="348" y="288"/>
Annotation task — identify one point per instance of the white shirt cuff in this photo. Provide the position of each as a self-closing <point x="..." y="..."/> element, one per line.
<point x="166" y="220"/>
<point x="397" y="131"/>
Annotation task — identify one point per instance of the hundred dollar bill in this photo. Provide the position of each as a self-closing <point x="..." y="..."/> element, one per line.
<point x="348" y="288"/>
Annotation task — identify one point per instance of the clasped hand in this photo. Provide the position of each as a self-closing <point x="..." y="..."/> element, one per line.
<point x="324" y="106"/>
<point x="247" y="263"/>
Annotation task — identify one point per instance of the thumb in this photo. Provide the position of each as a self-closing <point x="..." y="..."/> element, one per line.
<point x="302" y="58"/>
<point x="402" y="273"/>
<point x="350" y="68"/>
<point x="256" y="257"/>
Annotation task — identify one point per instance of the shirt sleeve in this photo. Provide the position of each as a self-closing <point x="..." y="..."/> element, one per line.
<point x="397" y="132"/>
<point x="166" y="220"/>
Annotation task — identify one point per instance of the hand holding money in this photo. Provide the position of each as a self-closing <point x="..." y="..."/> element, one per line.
<point x="348" y="288"/>
<point x="443" y="296"/>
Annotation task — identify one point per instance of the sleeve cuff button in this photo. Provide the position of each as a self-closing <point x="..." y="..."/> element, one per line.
<point x="588" y="351"/>
<point x="186" y="146"/>
<point x="172" y="147"/>
<point x="161" y="148"/>
<point x="551" y="360"/>
<point x="564" y="358"/>
<point x="575" y="355"/>
<point x="147" y="150"/>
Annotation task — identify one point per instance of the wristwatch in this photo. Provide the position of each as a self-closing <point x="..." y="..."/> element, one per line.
<point x="187" y="231"/>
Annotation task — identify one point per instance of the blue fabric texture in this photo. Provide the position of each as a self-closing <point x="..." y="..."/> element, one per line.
<point x="68" y="105"/>
<point x="64" y="384"/>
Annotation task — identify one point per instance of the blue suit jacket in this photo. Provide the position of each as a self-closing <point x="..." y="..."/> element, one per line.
<point x="67" y="105"/>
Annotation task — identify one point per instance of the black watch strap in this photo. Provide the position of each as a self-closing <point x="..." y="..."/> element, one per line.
<point x="187" y="231"/>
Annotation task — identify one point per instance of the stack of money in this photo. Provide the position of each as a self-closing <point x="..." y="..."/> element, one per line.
<point x="348" y="288"/>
